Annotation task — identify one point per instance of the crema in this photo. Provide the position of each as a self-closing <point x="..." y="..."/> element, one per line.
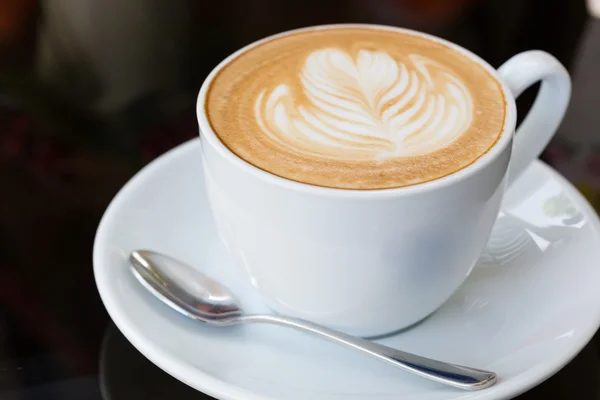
<point x="356" y="108"/>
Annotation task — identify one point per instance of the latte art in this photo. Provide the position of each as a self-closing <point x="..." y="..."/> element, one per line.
<point x="368" y="107"/>
<point x="356" y="107"/>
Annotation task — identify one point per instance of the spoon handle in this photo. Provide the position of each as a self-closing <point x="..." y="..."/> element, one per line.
<point x="458" y="376"/>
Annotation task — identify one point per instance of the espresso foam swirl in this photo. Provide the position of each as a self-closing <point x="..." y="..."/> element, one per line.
<point x="356" y="107"/>
<point x="370" y="107"/>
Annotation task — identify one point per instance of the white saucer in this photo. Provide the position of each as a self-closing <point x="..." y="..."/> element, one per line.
<point x="527" y="309"/>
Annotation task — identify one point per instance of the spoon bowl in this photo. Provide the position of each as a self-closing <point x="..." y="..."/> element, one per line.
<point x="183" y="288"/>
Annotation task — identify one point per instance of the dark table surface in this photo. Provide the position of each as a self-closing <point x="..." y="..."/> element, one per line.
<point x="86" y="102"/>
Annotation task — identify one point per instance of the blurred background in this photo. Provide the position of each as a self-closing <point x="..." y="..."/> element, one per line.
<point x="92" y="90"/>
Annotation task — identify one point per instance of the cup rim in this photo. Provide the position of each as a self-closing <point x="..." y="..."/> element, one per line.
<point x="504" y="140"/>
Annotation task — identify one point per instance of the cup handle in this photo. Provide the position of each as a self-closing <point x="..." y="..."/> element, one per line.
<point x="548" y="110"/>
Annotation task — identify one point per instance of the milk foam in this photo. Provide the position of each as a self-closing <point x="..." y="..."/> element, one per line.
<point x="371" y="105"/>
<point x="356" y="108"/>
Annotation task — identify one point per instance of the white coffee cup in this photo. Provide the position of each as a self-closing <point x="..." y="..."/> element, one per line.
<point x="372" y="262"/>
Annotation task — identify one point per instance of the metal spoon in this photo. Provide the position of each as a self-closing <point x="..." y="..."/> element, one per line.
<point x="198" y="297"/>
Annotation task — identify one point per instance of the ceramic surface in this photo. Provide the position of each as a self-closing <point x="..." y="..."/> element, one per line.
<point x="531" y="303"/>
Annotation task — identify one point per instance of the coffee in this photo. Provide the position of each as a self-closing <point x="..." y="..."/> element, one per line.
<point x="356" y="108"/>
